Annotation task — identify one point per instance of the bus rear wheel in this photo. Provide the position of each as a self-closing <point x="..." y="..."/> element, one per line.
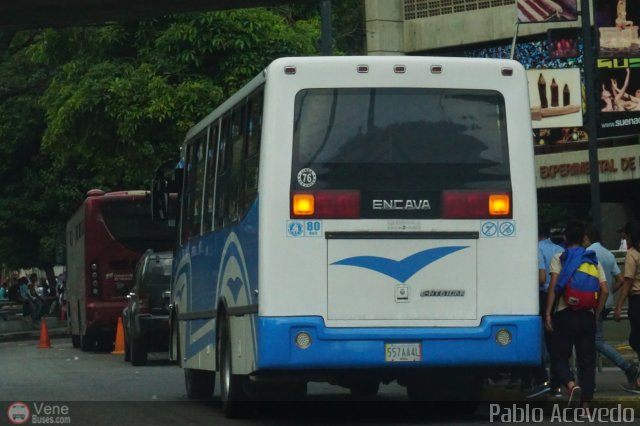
<point x="87" y="342"/>
<point x="200" y="384"/>
<point x="232" y="392"/>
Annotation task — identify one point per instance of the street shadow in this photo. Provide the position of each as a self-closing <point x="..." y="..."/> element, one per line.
<point x="343" y="410"/>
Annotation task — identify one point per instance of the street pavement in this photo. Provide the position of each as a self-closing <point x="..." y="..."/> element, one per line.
<point x="609" y="378"/>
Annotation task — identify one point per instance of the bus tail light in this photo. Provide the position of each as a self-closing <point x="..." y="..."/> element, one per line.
<point x="94" y="273"/>
<point x="475" y="205"/>
<point x="326" y="205"/>
<point x="303" y="204"/>
<point x="499" y="204"/>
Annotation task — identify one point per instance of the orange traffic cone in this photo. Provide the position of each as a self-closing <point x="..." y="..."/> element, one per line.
<point x="119" y="350"/>
<point x="45" y="343"/>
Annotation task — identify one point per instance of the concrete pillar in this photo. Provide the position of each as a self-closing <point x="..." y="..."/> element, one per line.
<point x="385" y="27"/>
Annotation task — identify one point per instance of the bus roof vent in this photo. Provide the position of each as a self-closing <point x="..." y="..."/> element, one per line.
<point x="95" y="193"/>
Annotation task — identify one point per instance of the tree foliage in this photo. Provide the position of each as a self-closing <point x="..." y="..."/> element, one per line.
<point x="103" y="106"/>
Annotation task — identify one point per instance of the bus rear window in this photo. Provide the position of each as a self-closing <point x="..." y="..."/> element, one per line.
<point x="407" y="144"/>
<point x="129" y="221"/>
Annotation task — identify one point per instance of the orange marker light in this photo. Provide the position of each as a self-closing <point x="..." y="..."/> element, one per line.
<point x="499" y="204"/>
<point x="303" y="204"/>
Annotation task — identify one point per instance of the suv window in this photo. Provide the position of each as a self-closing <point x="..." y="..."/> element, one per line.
<point x="157" y="274"/>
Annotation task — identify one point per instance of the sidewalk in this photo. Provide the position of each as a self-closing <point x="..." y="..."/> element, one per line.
<point x="608" y="387"/>
<point x="18" y="328"/>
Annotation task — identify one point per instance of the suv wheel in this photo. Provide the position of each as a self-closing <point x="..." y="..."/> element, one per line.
<point x="138" y="351"/>
<point x="127" y="350"/>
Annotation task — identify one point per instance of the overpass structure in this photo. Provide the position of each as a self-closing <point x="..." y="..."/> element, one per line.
<point x="19" y="14"/>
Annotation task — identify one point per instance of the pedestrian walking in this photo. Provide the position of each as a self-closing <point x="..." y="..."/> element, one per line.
<point x="631" y="290"/>
<point x="570" y="316"/>
<point x="592" y="241"/>
<point x="546" y="250"/>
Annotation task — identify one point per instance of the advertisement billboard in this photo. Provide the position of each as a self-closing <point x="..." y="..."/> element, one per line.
<point x="617" y="23"/>
<point x="619" y="95"/>
<point x="563" y="43"/>
<point x="533" y="11"/>
<point x="555" y="97"/>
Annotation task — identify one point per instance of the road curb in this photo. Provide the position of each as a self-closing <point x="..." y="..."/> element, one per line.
<point x="31" y="334"/>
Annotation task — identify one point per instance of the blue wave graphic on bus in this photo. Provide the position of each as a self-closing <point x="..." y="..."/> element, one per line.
<point x="234" y="286"/>
<point x="400" y="270"/>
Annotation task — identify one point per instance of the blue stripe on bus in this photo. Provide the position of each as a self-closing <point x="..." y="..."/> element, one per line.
<point x="365" y="347"/>
<point x="201" y="292"/>
<point x="208" y="338"/>
<point x="400" y="270"/>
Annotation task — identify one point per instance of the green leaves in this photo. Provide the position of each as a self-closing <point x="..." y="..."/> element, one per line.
<point x="103" y="106"/>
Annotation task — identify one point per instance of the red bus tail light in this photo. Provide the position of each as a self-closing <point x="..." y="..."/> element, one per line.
<point x="326" y="205"/>
<point x="475" y="205"/>
<point x="94" y="275"/>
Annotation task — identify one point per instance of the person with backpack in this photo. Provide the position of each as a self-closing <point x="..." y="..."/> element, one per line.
<point x="577" y="294"/>
<point x="631" y="290"/>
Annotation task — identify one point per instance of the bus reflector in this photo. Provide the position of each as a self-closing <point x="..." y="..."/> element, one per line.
<point x="326" y="204"/>
<point x="475" y="205"/>
<point x="303" y="205"/>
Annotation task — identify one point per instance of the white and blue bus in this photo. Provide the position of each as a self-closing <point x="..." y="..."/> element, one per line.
<point x="359" y="220"/>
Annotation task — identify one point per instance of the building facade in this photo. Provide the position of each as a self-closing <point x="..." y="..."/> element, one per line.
<point x="491" y="28"/>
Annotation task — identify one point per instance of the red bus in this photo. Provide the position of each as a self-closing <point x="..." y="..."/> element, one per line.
<point x="105" y="238"/>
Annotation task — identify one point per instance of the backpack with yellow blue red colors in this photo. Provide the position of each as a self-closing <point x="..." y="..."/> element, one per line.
<point x="579" y="281"/>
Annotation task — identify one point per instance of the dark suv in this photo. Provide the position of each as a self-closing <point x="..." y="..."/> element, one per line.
<point x="146" y="316"/>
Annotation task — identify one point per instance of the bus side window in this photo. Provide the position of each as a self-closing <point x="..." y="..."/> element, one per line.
<point x="235" y="163"/>
<point x="212" y="157"/>
<point x="198" y="186"/>
<point x="252" y="162"/>
<point x="193" y="190"/>
<point x="221" y="183"/>
<point x="188" y="167"/>
<point x="254" y="128"/>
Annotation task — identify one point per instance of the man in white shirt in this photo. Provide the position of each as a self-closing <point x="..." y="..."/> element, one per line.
<point x="592" y="241"/>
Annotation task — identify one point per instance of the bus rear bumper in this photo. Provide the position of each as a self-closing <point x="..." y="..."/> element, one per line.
<point x="103" y="316"/>
<point x="365" y="347"/>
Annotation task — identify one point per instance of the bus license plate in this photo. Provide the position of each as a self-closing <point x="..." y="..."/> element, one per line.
<point x="402" y="352"/>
